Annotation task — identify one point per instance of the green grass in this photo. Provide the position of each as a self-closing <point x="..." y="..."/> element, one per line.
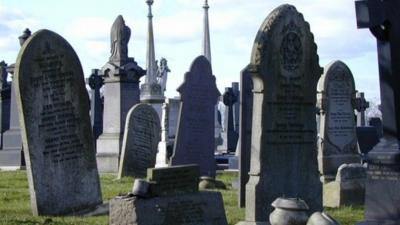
<point x="15" y="203"/>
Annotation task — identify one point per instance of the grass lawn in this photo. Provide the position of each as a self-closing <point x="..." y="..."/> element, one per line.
<point x="15" y="204"/>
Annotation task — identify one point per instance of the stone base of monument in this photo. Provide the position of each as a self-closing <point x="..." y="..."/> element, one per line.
<point x="169" y="196"/>
<point x="382" y="194"/>
<point x="348" y="187"/>
<point x="107" y="156"/>
<point x="204" y="208"/>
<point x="12" y="159"/>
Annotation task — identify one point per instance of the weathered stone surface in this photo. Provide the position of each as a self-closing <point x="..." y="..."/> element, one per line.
<point x="348" y="188"/>
<point x="194" y="143"/>
<point x="173" y="180"/>
<point x="244" y="143"/>
<point x="56" y="131"/>
<point x="285" y="70"/>
<point x="141" y="137"/>
<point x="337" y="143"/>
<point x="205" y="208"/>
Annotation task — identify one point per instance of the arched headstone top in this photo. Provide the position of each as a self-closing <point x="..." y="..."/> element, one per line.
<point x="336" y="70"/>
<point x="284" y="46"/>
<point x="200" y="75"/>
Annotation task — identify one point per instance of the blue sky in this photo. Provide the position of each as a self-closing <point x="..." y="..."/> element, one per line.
<point x="178" y="33"/>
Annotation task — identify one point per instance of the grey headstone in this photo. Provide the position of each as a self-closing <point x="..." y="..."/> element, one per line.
<point x="348" y="188"/>
<point x="56" y="132"/>
<point x="194" y="143"/>
<point x="4" y="103"/>
<point x="337" y="143"/>
<point x="173" y="180"/>
<point x="285" y="70"/>
<point x="244" y="143"/>
<point x="141" y="137"/>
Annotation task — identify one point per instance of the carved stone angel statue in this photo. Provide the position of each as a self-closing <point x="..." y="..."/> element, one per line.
<point x="120" y="35"/>
<point x="162" y="74"/>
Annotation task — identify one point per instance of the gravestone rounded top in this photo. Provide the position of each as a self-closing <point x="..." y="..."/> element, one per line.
<point x="336" y="71"/>
<point x="56" y="133"/>
<point x="284" y="46"/>
<point x="141" y="137"/>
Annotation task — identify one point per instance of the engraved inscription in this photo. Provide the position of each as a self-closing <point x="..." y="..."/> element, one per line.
<point x="340" y="113"/>
<point x="376" y="172"/>
<point x="58" y="121"/>
<point x="142" y="151"/>
<point x="184" y="212"/>
<point x="289" y="126"/>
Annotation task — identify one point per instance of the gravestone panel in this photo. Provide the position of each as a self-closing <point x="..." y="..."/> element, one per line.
<point x="337" y="142"/>
<point x="56" y="132"/>
<point x="244" y="143"/>
<point x="285" y="72"/>
<point x="174" y="180"/>
<point x="141" y="137"/>
<point x="195" y="142"/>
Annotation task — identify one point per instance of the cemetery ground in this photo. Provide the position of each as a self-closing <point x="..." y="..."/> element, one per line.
<point x="15" y="203"/>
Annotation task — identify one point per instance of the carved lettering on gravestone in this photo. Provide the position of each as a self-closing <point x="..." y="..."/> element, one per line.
<point x="285" y="70"/>
<point x="194" y="143"/>
<point x="141" y="137"/>
<point x="56" y="131"/>
<point x="341" y="124"/>
<point x="336" y="99"/>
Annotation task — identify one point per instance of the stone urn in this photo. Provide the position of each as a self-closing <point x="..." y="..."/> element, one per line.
<point x="321" y="219"/>
<point x="289" y="211"/>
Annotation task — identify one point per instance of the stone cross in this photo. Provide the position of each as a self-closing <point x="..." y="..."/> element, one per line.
<point x="384" y="23"/>
<point x="95" y="82"/>
<point x="361" y="105"/>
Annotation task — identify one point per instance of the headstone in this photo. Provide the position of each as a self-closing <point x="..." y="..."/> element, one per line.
<point x="121" y="92"/>
<point x="377" y="123"/>
<point x="337" y="143"/>
<point x="54" y="113"/>
<point x="361" y="106"/>
<point x="173" y="116"/>
<point x="285" y="71"/>
<point x="236" y="107"/>
<point x="229" y="135"/>
<point x="383" y="173"/>
<point x="244" y="143"/>
<point x="95" y="82"/>
<point x="141" y="137"/>
<point x="348" y="189"/>
<point x="4" y="104"/>
<point x="172" y="197"/>
<point x="194" y="143"/>
<point x="367" y="138"/>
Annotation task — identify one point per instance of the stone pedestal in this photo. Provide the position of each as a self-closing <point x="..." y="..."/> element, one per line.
<point x="382" y="194"/>
<point x="121" y="92"/>
<point x="11" y="156"/>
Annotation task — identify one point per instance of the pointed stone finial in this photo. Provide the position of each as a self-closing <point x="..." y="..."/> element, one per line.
<point x="120" y="35"/>
<point x="25" y="35"/>
<point x="151" y="76"/>
<point x="206" y="35"/>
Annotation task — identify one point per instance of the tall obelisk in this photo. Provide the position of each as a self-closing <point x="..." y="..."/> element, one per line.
<point x="207" y="54"/>
<point x="151" y="92"/>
